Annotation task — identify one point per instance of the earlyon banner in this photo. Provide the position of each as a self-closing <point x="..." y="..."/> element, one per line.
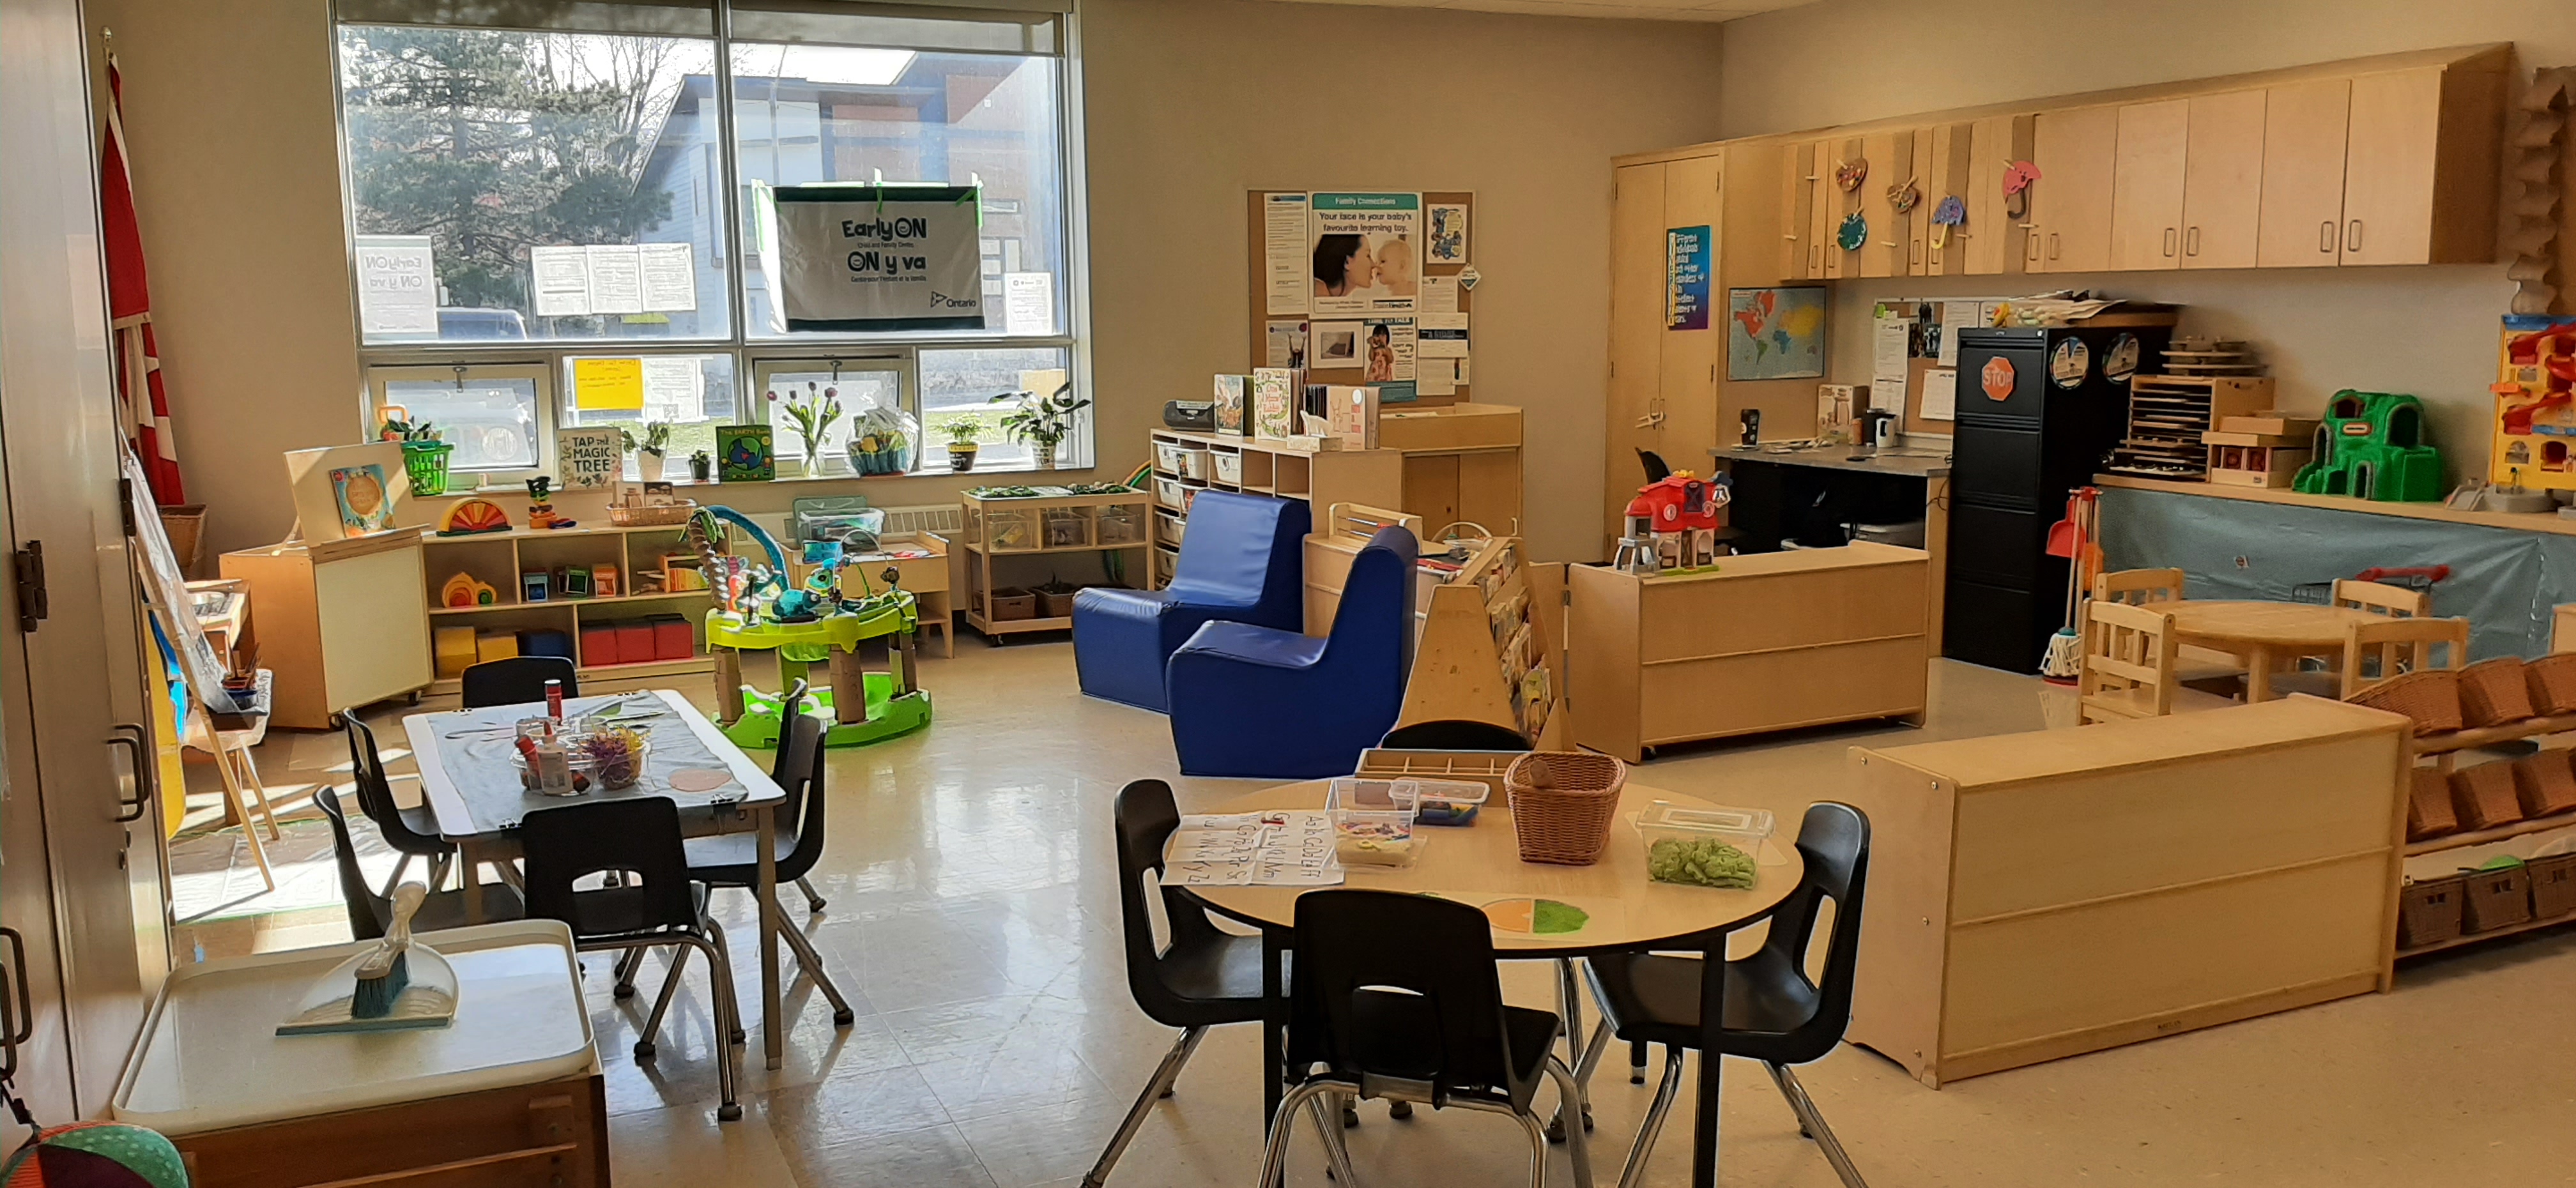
<point x="863" y="257"/>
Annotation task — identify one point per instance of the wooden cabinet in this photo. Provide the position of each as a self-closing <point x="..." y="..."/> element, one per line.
<point x="2147" y="185"/>
<point x="1835" y="204"/>
<point x="2222" y="184"/>
<point x="2070" y="216"/>
<point x="1994" y="240"/>
<point x="1891" y="164"/>
<point x="1801" y="253"/>
<point x="1946" y="171"/>
<point x="2303" y="167"/>
<point x="2419" y="163"/>
<point x="343" y="623"/>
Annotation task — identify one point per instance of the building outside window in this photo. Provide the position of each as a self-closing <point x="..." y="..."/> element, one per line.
<point x="589" y="185"/>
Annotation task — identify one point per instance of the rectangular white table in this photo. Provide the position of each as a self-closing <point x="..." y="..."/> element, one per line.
<point x="474" y="790"/>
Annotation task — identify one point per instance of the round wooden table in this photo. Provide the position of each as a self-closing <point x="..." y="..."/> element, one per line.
<point x="2264" y="634"/>
<point x="1481" y="863"/>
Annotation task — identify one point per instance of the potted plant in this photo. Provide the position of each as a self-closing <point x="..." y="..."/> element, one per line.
<point x="961" y="441"/>
<point x="702" y="466"/>
<point x="424" y="455"/>
<point x="649" y="450"/>
<point x="813" y="413"/>
<point x="881" y="440"/>
<point x="1041" y="421"/>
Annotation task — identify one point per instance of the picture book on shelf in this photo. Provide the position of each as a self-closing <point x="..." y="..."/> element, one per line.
<point x="1232" y="393"/>
<point x="1276" y="393"/>
<point x="360" y="493"/>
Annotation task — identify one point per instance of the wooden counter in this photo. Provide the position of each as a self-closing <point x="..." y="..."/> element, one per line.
<point x="1766" y="641"/>
<point x="2036" y="896"/>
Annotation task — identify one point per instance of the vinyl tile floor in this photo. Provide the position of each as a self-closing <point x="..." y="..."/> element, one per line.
<point x="972" y="921"/>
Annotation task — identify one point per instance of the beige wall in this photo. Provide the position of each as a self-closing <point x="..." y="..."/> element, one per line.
<point x="231" y="126"/>
<point x="2426" y="330"/>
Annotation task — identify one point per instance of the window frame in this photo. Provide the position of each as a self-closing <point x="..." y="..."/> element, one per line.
<point x="753" y="358"/>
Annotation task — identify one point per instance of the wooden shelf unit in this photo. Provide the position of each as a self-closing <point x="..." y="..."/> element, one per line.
<point x="2167" y="415"/>
<point x="1487" y="651"/>
<point x="1116" y="522"/>
<point x="2445" y="749"/>
<point x="500" y="557"/>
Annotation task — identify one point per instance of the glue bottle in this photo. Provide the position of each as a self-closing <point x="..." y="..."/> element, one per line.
<point x="554" y="701"/>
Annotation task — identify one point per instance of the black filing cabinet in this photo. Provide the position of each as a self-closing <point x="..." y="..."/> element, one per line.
<point x="2058" y="402"/>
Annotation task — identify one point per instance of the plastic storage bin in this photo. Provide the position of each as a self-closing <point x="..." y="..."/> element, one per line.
<point x="1229" y="468"/>
<point x="1121" y="524"/>
<point x="1011" y="530"/>
<point x="1167" y="456"/>
<point x="1068" y="527"/>
<point x="1681" y="843"/>
<point x="1367" y="837"/>
<point x="1442" y="802"/>
<point x="1171" y="492"/>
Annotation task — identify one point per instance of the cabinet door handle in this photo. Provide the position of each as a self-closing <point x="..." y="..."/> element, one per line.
<point x="2170" y="238"/>
<point x="2326" y="237"/>
<point x="2191" y="242"/>
<point x="17" y="1009"/>
<point x="2352" y="237"/>
<point x="2052" y="245"/>
<point x="138" y="743"/>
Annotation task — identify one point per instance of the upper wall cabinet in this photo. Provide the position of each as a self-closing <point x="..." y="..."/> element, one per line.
<point x="2070" y="219"/>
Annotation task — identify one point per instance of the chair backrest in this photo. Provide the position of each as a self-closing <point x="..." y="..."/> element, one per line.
<point x="1834" y="842"/>
<point x="1455" y="734"/>
<point x="1656" y="470"/>
<point x="1363" y="955"/>
<point x="639" y="837"/>
<point x="2129" y="647"/>
<point x="2380" y="598"/>
<point x="366" y="910"/>
<point x="376" y="790"/>
<point x="1376" y="608"/>
<point x="2387" y="647"/>
<point x="2138" y="587"/>
<point x="806" y="801"/>
<point x="791" y="707"/>
<point x="1146" y="817"/>
<point x="1243" y="548"/>
<point x="516" y="680"/>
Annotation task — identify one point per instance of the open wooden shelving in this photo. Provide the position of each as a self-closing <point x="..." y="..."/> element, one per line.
<point x="2471" y="938"/>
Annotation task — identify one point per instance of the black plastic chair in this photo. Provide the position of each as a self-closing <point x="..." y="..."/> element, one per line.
<point x="1773" y="1013"/>
<point x="1396" y="996"/>
<point x="370" y="914"/>
<point x="412" y="832"/>
<point x="791" y="710"/>
<point x="733" y="859"/>
<point x="1454" y="734"/>
<point x="516" y="680"/>
<point x="653" y="904"/>
<point x="1206" y="977"/>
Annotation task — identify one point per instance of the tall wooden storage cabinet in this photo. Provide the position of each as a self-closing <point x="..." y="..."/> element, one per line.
<point x="342" y="622"/>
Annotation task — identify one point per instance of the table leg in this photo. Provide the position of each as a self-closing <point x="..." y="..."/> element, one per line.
<point x="469" y="857"/>
<point x="728" y="685"/>
<point x="1274" y="1025"/>
<point x="1712" y="1004"/>
<point x="849" y="686"/>
<point x="2258" y="674"/>
<point x="773" y="1036"/>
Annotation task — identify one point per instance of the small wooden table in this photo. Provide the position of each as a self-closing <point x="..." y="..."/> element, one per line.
<point x="2263" y="634"/>
<point x="1481" y="862"/>
<point x="479" y="840"/>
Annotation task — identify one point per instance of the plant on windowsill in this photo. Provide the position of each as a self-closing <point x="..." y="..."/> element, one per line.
<point x="813" y="413"/>
<point x="650" y="450"/>
<point x="961" y="442"/>
<point x="702" y="466"/>
<point x="424" y="455"/>
<point x="1042" y="421"/>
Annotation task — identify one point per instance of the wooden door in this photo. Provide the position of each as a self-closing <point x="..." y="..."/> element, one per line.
<point x="1891" y="164"/>
<point x="1637" y="302"/>
<point x="2071" y="201"/>
<point x="1799" y="259"/>
<point x="2222" y="189"/>
<point x="1837" y="204"/>
<point x="2389" y="154"/>
<point x="1926" y="171"/>
<point x="2147" y="185"/>
<point x="1687" y="377"/>
<point x="1993" y="237"/>
<point x="2304" y="125"/>
<point x="1946" y="173"/>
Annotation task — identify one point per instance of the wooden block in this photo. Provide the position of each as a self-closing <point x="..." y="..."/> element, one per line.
<point x="496" y="645"/>
<point x="455" y="650"/>
<point x="2273" y="424"/>
<point x="599" y="644"/>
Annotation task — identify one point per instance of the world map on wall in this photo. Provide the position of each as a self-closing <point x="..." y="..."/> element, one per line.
<point x="1775" y="333"/>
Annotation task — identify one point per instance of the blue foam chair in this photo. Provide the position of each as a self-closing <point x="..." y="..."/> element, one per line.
<point x="1256" y="702"/>
<point x="1242" y="561"/>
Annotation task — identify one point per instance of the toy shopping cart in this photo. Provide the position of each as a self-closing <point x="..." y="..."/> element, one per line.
<point x="2419" y="578"/>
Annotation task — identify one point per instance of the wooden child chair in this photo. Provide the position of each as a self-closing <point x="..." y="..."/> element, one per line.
<point x="2392" y="603"/>
<point x="2380" y="598"/>
<point x="2129" y="665"/>
<point x="2377" y="651"/>
<point x="2146" y="587"/>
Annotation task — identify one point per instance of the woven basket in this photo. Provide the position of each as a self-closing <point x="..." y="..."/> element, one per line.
<point x="2428" y="805"/>
<point x="2496" y="899"/>
<point x="2545" y="782"/>
<point x="2429" y="912"/>
<point x="2493" y="692"/>
<point x="1567" y="822"/>
<point x="2431" y="697"/>
<point x="646" y="517"/>
<point x="2484" y="796"/>
<point x="2553" y="886"/>
<point x="2552" y="683"/>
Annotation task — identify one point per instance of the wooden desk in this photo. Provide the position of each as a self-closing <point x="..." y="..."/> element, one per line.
<point x="2264" y="634"/>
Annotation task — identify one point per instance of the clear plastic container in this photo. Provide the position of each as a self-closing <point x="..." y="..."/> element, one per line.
<point x="1682" y="844"/>
<point x="1368" y="837"/>
<point x="1121" y="524"/>
<point x="1068" y="527"/>
<point x="1442" y="802"/>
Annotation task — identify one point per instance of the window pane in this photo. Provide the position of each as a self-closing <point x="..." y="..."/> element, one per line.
<point x="491" y="422"/>
<point x="691" y="393"/>
<point x="513" y="185"/>
<point x="869" y="396"/>
<point x="961" y="383"/>
<point x="805" y="113"/>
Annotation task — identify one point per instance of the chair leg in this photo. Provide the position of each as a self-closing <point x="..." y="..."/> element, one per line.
<point x="1635" y="1172"/>
<point x="1325" y="1113"/>
<point x="1155" y="1089"/>
<point x="1274" y="1156"/>
<point x="813" y="901"/>
<point x="1538" y="1148"/>
<point x="812" y="963"/>
<point x="1578" y="1144"/>
<point x="662" y="1002"/>
<point x="1813" y="1121"/>
<point x="402" y="862"/>
<point x="724" y="955"/>
<point x="1569" y="1000"/>
<point x="439" y="866"/>
<point x="728" y="1013"/>
<point x="1637" y="1063"/>
<point x="627" y="963"/>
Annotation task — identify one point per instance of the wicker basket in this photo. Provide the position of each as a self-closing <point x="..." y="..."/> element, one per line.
<point x="2484" y="796"/>
<point x="2428" y="805"/>
<point x="2496" y="899"/>
<point x="1567" y="821"/>
<point x="2493" y="692"/>
<point x="2431" y="697"/>
<point x="2553" y="886"/>
<point x="2552" y="682"/>
<point x="2545" y="782"/>
<point x="645" y="517"/>
<point x="2429" y="912"/>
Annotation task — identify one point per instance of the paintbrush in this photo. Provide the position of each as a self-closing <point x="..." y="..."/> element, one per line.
<point x="382" y="976"/>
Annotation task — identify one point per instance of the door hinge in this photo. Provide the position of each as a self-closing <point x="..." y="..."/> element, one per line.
<point x="28" y="568"/>
<point x="125" y="505"/>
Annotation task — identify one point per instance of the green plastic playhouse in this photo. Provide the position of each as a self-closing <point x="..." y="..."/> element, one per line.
<point x="2371" y="446"/>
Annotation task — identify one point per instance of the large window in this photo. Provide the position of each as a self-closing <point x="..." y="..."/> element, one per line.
<point x="589" y="184"/>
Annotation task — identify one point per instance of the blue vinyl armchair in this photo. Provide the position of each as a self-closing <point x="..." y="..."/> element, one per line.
<point x="1242" y="561"/>
<point x="1261" y="703"/>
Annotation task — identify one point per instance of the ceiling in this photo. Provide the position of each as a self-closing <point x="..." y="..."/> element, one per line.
<point x="1647" y="10"/>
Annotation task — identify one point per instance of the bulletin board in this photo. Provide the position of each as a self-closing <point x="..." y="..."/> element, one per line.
<point x="1260" y="320"/>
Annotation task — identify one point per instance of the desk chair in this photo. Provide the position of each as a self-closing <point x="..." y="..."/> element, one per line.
<point x="2129" y="669"/>
<point x="370" y="914"/>
<point x="1397" y="996"/>
<point x="1773" y="1012"/>
<point x="1243" y="561"/>
<point x="2193" y="666"/>
<point x="412" y="832"/>
<point x="516" y="680"/>
<point x="1206" y="977"/>
<point x="655" y="904"/>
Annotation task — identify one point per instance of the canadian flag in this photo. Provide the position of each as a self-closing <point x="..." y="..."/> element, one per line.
<point x="140" y="397"/>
